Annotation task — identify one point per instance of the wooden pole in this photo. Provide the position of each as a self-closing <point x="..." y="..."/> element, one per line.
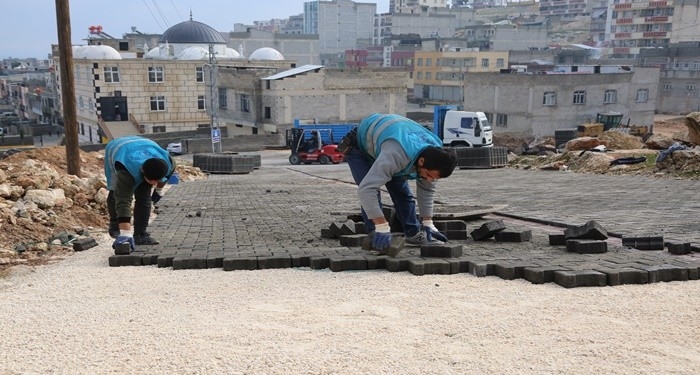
<point x="70" y="118"/>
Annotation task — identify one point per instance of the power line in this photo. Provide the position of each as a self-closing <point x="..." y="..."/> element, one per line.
<point x="153" y="15"/>
<point x="177" y="11"/>
<point x="155" y="4"/>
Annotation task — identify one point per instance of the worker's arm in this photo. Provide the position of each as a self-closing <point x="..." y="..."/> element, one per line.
<point x="425" y="195"/>
<point x="392" y="159"/>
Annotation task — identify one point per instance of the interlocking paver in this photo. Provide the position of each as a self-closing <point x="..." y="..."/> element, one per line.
<point x="269" y="217"/>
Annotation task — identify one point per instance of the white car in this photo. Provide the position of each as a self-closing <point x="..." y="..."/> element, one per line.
<point x="175" y="148"/>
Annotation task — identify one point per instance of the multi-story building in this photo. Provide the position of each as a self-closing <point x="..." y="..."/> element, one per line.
<point x="540" y="104"/>
<point x="340" y="24"/>
<point x="565" y="8"/>
<point x="441" y="75"/>
<point x="640" y="24"/>
<point x="398" y="6"/>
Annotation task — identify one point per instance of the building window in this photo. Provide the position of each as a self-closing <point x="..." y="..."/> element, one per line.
<point x="690" y="87"/>
<point x="501" y="120"/>
<point x="223" y="101"/>
<point x="201" y="102"/>
<point x="244" y="101"/>
<point x="428" y="75"/>
<point x="579" y="97"/>
<point x="111" y="74"/>
<point x="81" y="102"/>
<point x="419" y="75"/>
<point x="484" y="63"/>
<point x="77" y="73"/>
<point x="199" y="73"/>
<point x="666" y="87"/>
<point x="577" y="60"/>
<point x="610" y="97"/>
<point x="420" y="61"/>
<point x="155" y="74"/>
<point x="268" y="112"/>
<point x="642" y="95"/>
<point x="500" y="63"/>
<point x="159" y="129"/>
<point x="550" y="98"/>
<point x="157" y="103"/>
<point x="428" y="61"/>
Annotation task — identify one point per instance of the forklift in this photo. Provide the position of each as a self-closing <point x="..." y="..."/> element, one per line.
<point x="312" y="149"/>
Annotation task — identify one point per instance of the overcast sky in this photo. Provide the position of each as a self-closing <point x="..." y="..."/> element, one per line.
<point x="28" y="28"/>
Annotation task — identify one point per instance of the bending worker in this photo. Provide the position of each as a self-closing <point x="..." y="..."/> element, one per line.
<point x="390" y="149"/>
<point x="133" y="166"/>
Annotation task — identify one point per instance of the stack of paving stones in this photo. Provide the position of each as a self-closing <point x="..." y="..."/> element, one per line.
<point x="252" y="225"/>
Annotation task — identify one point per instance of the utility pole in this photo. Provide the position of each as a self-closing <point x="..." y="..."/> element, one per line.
<point x="213" y="105"/>
<point x="65" y="53"/>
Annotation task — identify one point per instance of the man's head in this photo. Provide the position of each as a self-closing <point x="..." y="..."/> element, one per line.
<point x="436" y="162"/>
<point x="154" y="170"/>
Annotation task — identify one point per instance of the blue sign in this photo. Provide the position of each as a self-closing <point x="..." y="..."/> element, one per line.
<point x="216" y="135"/>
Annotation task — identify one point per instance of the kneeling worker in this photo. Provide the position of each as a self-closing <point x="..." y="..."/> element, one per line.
<point x="388" y="150"/>
<point x="133" y="166"/>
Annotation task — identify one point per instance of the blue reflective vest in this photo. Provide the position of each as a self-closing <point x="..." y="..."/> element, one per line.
<point x="412" y="137"/>
<point x="132" y="152"/>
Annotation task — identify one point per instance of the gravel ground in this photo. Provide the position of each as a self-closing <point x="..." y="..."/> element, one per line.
<point x="79" y="316"/>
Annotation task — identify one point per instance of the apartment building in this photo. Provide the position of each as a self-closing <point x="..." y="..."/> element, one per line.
<point x="340" y="24"/>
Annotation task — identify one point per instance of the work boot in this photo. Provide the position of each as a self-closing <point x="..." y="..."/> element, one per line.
<point x="420" y="239"/>
<point x="145" y="239"/>
<point x="113" y="230"/>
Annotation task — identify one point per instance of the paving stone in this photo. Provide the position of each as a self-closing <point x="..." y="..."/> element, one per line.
<point x="433" y="266"/>
<point x="348" y="228"/>
<point x="82" y="244"/>
<point x="557" y="239"/>
<point x="695" y="247"/>
<point x="122" y="249"/>
<point x="235" y="263"/>
<point x="165" y="260"/>
<point x="446" y="250"/>
<point x="182" y="262"/>
<point x="627" y="275"/>
<point x="589" y="231"/>
<point x="679" y="248"/>
<point x="541" y="274"/>
<point x="300" y="260"/>
<point x="482" y="268"/>
<point x="573" y="279"/>
<point x="511" y="270"/>
<point x="319" y="262"/>
<point x="360" y="227"/>
<point x="488" y="230"/>
<point x="149" y="259"/>
<point x="215" y="260"/>
<point x="124" y="260"/>
<point x="376" y="262"/>
<point x="396" y="264"/>
<point x="586" y="246"/>
<point x="274" y="261"/>
<point x="458" y="265"/>
<point x="328" y="233"/>
<point x="352" y="240"/>
<point x="347" y="263"/>
<point x="335" y="229"/>
<point x="513" y="236"/>
<point x="665" y="272"/>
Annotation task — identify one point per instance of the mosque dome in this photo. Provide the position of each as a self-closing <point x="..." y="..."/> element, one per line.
<point x="231" y="54"/>
<point x="266" y="53"/>
<point x="100" y="52"/>
<point x="194" y="53"/>
<point x="191" y="32"/>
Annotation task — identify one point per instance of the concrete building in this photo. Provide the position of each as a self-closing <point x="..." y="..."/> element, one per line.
<point x="302" y="48"/>
<point x="398" y="6"/>
<point x="117" y="94"/>
<point x="539" y="104"/>
<point x="440" y="76"/>
<point x="679" y="84"/>
<point x="565" y="8"/>
<point x="274" y="101"/>
<point x="340" y="24"/>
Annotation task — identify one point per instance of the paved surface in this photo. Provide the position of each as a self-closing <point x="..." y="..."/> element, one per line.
<point x="273" y="217"/>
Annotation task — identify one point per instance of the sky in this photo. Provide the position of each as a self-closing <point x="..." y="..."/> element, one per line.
<point x="28" y="28"/>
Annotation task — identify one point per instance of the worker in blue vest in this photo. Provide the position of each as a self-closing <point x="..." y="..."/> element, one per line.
<point x="387" y="151"/>
<point x="133" y="167"/>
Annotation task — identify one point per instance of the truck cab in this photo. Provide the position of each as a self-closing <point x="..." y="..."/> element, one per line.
<point x="459" y="128"/>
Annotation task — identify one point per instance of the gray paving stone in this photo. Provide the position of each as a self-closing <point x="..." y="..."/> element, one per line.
<point x="511" y="270"/>
<point x="347" y="263"/>
<point x="586" y="246"/>
<point x="589" y="231"/>
<point x="235" y="263"/>
<point x="541" y="274"/>
<point x="274" y="261"/>
<point x="353" y="240"/>
<point x="557" y="239"/>
<point x="125" y="260"/>
<point x="396" y="264"/>
<point x="487" y="230"/>
<point x="620" y="276"/>
<point x="319" y="262"/>
<point x="447" y="250"/>
<point x="482" y="268"/>
<point x="513" y="236"/>
<point x="432" y="266"/>
<point x="665" y="272"/>
<point x="679" y="248"/>
<point x="82" y="244"/>
<point x="573" y="279"/>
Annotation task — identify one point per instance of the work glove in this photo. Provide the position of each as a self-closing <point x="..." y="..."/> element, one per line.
<point x="157" y="194"/>
<point x="174" y="179"/>
<point x="432" y="232"/>
<point x="382" y="236"/>
<point x="124" y="238"/>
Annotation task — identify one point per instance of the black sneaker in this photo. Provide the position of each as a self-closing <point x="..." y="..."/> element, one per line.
<point x="145" y="239"/>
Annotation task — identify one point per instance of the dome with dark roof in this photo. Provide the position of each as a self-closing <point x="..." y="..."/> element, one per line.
<point x="192" y="32"/>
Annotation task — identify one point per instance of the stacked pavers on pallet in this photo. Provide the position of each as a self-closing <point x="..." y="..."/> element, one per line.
<point x="226" y="163"/>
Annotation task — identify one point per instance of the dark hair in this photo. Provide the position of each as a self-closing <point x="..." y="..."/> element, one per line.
<point x="155" y="169"/>
<point x="441" y="159"/>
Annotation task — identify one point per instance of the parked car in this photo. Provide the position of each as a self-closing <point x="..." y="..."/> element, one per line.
<point x="175" y="148"/>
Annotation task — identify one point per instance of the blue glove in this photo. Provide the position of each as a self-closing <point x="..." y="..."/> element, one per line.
<point x="155" y="197"/>
<point x="174" y="179"/>
<point x="124" y="239"/>
<point x="433" y="233"/>
<point x="382" y="236"/>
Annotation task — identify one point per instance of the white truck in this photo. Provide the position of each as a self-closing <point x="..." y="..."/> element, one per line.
<point x="459" y="128"/>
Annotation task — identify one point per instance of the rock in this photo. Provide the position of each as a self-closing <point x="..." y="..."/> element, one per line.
<point x="658" y="142"/>
<point x="582" y="143"/>
<point x="682" y="160"/>
<point x="692" y="121"/>
<point x="615" y="140"/>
